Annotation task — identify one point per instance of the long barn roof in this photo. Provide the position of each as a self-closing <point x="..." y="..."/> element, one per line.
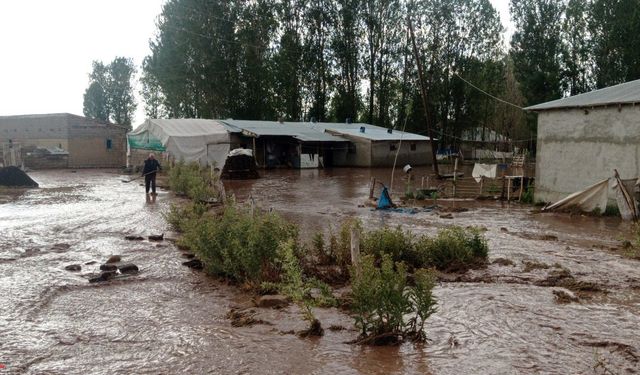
<point x="625" y="93"/>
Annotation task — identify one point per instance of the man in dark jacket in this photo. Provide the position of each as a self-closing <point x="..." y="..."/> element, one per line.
<point x="151" y="166"/>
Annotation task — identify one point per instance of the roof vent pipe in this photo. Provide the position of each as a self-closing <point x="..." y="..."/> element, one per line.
<point x="348" y="120"/>
<point x="362" y="129"/>
<point x="390" y="131"/>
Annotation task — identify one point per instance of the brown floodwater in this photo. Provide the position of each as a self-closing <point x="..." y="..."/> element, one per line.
<point x="170" y="319"/>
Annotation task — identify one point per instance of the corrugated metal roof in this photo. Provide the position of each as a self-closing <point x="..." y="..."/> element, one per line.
<point x="302" y="131"/>
<point x="371" y="132"/>
<point x="626" y="93"/>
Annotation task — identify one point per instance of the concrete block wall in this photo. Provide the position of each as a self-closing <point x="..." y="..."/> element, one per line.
<point x="382" y="154"/>
<point x="578" y="147"/>
<point x="357" y="154"/>
<point x="88" y="144"/>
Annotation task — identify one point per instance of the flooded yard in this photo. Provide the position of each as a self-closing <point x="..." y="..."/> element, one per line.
<point x="169" y="319"/>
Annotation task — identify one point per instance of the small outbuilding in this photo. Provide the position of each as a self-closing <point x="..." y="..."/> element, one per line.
<point x="375" y="146"/>
<point x="61" y="140"/>
<point x="583" y="138"/>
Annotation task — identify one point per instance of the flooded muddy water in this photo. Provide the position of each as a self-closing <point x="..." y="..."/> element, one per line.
<point x="167" y="319"/>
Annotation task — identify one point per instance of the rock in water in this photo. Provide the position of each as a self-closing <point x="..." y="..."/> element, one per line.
<point x="105" y="276"/>
<point x="128" y="268"/>
<point x="15" y="177"/>
<point x="193" y="263"/>
<point x="108" y="267"/>
<point x="73" y="267"/>
<point x="159" y="237"/>
<point x="134" y="238"/>
<point x="275" y="301"/>
<point x="114" y="259"/>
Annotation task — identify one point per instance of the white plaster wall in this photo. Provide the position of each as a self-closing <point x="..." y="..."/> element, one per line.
<point x="577" y="149"/>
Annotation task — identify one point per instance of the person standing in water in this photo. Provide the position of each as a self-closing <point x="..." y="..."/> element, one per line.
<point x="151" y="166"/>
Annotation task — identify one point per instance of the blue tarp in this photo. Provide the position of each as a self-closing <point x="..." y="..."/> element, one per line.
<point x="385" y="200"/>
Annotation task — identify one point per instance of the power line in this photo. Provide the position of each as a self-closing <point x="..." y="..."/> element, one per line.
<point x="489" y="95"/>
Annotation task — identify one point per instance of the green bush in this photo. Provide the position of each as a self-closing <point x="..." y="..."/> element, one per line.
<point x="180" y="217"/>
<point x="382" y="298"/>
<point x="379" y="300"/>
<point x="528" y="196"/>
<point x="192" y="181"/>
<point x="423" y="302"/>
<point x="338" y="250"/>
<point x="239" y="245"/>
<point x="453" y="249"/>
<point x="392" y="241"/>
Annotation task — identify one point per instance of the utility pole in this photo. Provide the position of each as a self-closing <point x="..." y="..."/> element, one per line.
<point x="423" y="90"/>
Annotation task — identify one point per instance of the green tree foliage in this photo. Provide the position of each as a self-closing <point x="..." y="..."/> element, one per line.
<point x="109" y="96"/>
<point x="536" y="48"/>
<point x="615" y="26"/>
<point x="350" y="59"/>
<point x="577" y="51"/>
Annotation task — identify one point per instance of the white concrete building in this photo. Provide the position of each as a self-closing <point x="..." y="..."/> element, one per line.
<point x="583" y="138"/>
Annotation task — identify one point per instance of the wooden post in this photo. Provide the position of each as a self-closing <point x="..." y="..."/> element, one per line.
<point x="422" y="183"/>
<point x="455" y="175"/>
<point x="372" y="186"/>
<point x="254" y="149"/>
<point x="481" y="183"/>
<point x="355" y="247"/>
<point x="521" y="188"/>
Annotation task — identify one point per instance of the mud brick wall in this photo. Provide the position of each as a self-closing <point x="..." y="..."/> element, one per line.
<point x="46" y="161"/>
<point x="96" y="145"/>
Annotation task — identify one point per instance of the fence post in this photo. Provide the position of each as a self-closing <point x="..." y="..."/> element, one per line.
<point x="355" y="247"/>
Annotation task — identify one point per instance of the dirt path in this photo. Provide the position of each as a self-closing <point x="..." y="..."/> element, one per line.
<point x="168" y="318"/>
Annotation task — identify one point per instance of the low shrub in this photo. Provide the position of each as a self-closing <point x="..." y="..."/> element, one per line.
<point x="338" y="249"/>
<point x="179" y="217"/>
<point x="191" y="180"/>
<point x="392" y="241"/>
<point x="240" y="245"/>
<point x="528" y="196"/>
<point x="382" y="298"/>
<point x="453" y="249"/>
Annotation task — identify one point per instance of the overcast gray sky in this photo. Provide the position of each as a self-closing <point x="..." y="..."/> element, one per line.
<point x="46" y="48"/>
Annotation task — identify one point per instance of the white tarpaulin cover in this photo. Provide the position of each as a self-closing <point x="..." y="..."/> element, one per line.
<point x="595" y="196"/>
<point x="200" y="140"/>
<point x="484" y="170"/>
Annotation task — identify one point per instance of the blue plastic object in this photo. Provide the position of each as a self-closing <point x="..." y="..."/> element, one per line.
<point x="385" y="200"/>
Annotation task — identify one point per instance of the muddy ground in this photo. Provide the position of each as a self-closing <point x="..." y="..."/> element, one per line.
<point x="511" y="317"/>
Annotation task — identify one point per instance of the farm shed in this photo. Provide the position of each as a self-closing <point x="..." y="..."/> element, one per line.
<point x="583" y="138"/>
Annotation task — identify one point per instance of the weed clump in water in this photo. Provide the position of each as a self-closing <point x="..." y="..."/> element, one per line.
<point x="382" y="298"/>
<point x="238" y="244"/>
<point x="193" y="181"/>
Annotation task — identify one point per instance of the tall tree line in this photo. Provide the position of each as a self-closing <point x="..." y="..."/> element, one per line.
<point x="350" y="60"/>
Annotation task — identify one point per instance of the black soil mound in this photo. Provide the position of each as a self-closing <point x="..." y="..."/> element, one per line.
<point x="15" y="177"/>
